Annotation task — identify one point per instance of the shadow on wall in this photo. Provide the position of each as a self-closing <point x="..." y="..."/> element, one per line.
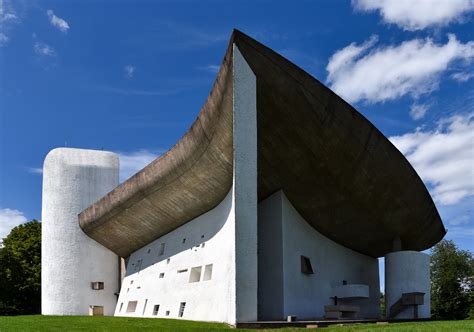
<point x="210" y="223"/>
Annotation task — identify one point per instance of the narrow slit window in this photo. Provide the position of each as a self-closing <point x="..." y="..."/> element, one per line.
<point x="181" y="309"/>
<point x="121" y="306"/>
<point x="183" y="271"/>
<point x="144" y="307"/>
<point x="306" y="267"/>
<point x="195" y="274"/>
<point x="156" y="308"/>
<point x="207" y="272"/>
<point x="162" y="249"/>
<point x="184" y="240"/>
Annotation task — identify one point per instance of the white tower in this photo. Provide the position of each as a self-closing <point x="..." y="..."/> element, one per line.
<point x="71" y="261"/>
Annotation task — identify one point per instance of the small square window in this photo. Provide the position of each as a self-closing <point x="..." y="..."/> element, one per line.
<point x="195" y="274"/>
<point x="132" y="306"/>
<point x="162" y="275"/>
<point x="167" y="313"/>
<point x="306" y="267"/>
<point x="97" y="285"/>
<point x="156" y="308"/>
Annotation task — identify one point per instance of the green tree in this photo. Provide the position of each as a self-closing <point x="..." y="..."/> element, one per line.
<point x="452" y="278"/>
<point x="20" y="270"/>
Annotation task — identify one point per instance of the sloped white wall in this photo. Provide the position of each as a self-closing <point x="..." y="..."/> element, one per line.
<point x="209" y="239"/>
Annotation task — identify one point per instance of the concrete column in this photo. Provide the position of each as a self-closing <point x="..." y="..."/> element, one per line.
<point x="245" y="188"/>
<point x="71" y="261"/>
<point x="407" y="272"/>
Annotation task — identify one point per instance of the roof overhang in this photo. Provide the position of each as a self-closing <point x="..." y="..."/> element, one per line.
<point x="341" y="173"/>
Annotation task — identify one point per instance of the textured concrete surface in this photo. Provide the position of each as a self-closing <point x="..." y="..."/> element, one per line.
<point x="341" y="173"/>
<point x="406" y="272"/>
<point x="70" y="260"/>
<point x="284" y="290"/>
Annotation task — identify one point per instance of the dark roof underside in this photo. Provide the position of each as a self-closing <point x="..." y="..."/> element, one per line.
<point x="341" y="174"/>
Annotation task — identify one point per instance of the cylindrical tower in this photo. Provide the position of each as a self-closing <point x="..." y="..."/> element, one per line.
<point x="71" y="261"/>
<point x="407" y="285"/>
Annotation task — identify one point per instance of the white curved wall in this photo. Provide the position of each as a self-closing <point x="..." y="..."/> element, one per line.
<point x="207" y="239"/>
<point x="406" y="272"/>
<point x="284" y="235"/>
<point x="72" y="180"/>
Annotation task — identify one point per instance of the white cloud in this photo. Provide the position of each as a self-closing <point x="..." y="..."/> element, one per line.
<point x="3" y="39"/>
<point x="132" y="162"/>
<point x="417" y="14"/>
<point x="443" y="157"/>
<point x="35" y="170"/>
<point x="129" y="71"/>
<point x="8" y="17"/>
<point x="10" y="218"/>
<point x="462" y="77"/>
<point x="57" y="22"/>
<point x="213" y="69"/>
<point x="44" y="49"/>
<point x="385" y="73"/>
<point x="418" y="111"/>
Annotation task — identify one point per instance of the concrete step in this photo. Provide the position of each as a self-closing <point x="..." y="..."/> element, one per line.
<point x="333" y="315"/>
<point x="341" y="307"/>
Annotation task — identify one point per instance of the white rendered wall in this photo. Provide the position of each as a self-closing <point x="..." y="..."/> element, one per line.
<point x="245" y="188"/>
<point x="406" y="272"/>
<point x="70" y="260"/>
<point x="209" y="239"/>
<point x="230" y="239"/>
<point x="303" y="295"/>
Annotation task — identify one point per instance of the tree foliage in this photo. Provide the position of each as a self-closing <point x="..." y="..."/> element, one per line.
<point x="20" y="270"/>
<point x="452" y="279"/>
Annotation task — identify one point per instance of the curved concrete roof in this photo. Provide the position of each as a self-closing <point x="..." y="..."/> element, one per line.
<point x="341" y="173"/>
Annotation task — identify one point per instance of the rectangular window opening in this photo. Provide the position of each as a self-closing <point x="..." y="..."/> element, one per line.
<point x="195" y="275"/>
<point x="156" y="308"/>
<point x="162" y="275"/>
<point x="162" y="250"/>
<point x="132" y="306"/>
<point x="181" y="309"/>
<point x="306" y="267"/>
<point x="97" y="285"/>
<point x="167" y="312"/>
<point x="96" y="310"/>
<point x="207" y="272"/>
<point x="183" y="271"/>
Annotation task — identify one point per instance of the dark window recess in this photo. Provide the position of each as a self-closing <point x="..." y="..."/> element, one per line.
<point x="181" y="309"/>
<point x="156" y="308"/>
<point x="306" y="267"/>
<point x="97" y="285"/>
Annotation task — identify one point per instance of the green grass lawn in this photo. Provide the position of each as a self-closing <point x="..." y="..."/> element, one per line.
<point x="57" y="323"/>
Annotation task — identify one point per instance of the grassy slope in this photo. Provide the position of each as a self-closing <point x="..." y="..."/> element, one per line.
<point x="55" y="323"/>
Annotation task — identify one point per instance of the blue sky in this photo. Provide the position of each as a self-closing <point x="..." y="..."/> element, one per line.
<point x="131" y="76"/>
